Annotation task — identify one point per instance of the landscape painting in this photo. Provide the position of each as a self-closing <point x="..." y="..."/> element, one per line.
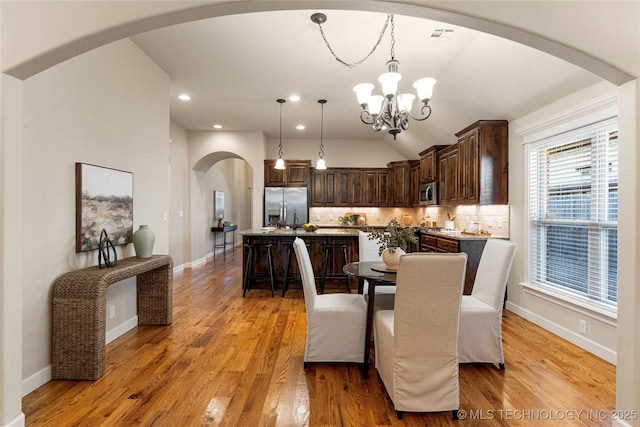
<point x="104" y="200"/>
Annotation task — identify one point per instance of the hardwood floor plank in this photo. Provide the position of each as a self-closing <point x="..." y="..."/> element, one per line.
<point x="233" y="361"/>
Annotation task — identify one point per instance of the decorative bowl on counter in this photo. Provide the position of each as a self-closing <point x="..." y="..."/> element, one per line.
<point x="308" y="227"/>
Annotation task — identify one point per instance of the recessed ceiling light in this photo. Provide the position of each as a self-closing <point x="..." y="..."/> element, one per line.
<point x="294" y="98"/>
<point x="301" y="127"/>
<point x="184" y="97"/>
<point x="216" y="126"/>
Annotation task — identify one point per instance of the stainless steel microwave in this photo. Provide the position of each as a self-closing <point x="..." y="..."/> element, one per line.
<point x="428" y="194"/>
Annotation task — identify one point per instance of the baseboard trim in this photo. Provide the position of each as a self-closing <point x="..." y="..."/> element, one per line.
<point x="121" y="329"/>
<point x="582" y="342"/>
<point x="18" y="421"/>
<point x="43" y="376"/>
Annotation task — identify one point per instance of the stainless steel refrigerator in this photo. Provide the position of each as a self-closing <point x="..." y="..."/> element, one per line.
<point x="285" y="204"/>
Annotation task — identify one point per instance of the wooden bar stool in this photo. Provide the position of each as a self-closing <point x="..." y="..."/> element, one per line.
<point x="330" y="248"/>
<point x="287" y="263"/>
<point x="253" y="248"/>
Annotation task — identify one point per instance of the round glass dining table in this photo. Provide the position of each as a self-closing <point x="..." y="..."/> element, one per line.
<point x="373" y="272"/>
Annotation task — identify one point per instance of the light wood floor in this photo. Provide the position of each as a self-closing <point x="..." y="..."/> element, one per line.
<point x="233" y="361"/>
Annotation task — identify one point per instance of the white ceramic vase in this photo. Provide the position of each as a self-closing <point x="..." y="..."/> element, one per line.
<point x="143" y="241"/>
<point x="391" y="258"/>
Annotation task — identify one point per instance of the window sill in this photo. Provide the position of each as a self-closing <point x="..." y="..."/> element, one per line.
<point x="572" y="302"/>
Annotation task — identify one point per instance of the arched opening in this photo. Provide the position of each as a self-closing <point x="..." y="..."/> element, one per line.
<point x="227" y="173"/>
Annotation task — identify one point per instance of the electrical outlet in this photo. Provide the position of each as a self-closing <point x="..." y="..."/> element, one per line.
<point x="583" y="326"/>
<point x="499" y="222"/>
<point x="112" y="311"/>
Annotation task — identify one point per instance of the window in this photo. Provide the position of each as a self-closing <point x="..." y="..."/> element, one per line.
<point x="573" y="212"/>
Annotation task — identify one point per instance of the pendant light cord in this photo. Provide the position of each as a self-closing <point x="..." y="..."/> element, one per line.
<point x="322" y="102"/>
<point x="280" y="101"/>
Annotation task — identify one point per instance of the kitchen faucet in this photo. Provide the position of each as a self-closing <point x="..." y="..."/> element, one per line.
<point x="295" y="219"/>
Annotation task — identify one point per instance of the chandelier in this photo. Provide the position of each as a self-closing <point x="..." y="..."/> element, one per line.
<point x="392" y="109"/>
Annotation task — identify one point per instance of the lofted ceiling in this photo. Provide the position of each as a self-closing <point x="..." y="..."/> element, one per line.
<point x="235" y="67"/>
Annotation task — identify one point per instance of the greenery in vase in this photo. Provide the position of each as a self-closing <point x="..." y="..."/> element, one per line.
<point x="394" y="236"/>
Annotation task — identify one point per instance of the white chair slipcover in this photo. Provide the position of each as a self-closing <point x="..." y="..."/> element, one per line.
<point x="480" y="337"/>
<point x="335" y="322"/>
<point x="368" y="251"/>
<point x="416" y="344"/>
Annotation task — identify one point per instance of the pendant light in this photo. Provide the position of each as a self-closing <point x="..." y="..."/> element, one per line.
<point x="321" y="164"/>
<point x="280" y="162"/>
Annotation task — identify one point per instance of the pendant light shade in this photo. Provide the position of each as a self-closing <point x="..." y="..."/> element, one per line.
<point x="280" y="162"/>
<point x="321" y="164"/>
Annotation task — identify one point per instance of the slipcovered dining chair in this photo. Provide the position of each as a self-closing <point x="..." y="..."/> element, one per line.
<point x="416" y="344"/>
<point x="480" y="338"/>
<point x="335" y="322"/>
<point x="368" y="251"/>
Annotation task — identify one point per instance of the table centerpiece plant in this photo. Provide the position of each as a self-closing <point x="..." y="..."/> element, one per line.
<point x="393" y="242"/>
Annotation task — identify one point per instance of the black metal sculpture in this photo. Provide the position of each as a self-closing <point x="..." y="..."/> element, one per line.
<point x="104" y="251"/>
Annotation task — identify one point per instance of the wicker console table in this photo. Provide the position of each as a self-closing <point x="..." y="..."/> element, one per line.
<point x="79" y="311"/>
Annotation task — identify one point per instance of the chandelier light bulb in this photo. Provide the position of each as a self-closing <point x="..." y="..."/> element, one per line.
<point x="321" y="164"/>
<point x="424" y="87"/>
<point x="375" y="104"/>
<point x="405" y="101"/>
<point x="389" y="82"/>
<point x="363" y="92"/>
<point x="279" y="164"/>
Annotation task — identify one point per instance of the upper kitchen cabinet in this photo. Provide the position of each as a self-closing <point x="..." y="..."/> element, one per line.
<point x="323" y="188"/>
<point x="401" y="182"/>
<point x="483" y="157"/>
<point x="449" y="175"/>
<point x="349" y="187"/>
<point x="377" y="187"/>
<point x="429" y="164"/>
<point x="295" y="174"/>
<point x="337" y="187"/>
<point x="414" y="184"/>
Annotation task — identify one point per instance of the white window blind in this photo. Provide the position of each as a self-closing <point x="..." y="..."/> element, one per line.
<point x="573" y="212"/>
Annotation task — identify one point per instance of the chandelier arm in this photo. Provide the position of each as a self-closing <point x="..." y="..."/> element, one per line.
<point x="367" y="118"/>
<point x="423" y="115"/>
<point x="352" y="65"/>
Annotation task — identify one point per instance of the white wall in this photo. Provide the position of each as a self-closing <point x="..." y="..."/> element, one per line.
<point x="180" y="210"/>
<point x="342" y="153"/>
<point x="108" y="107"/>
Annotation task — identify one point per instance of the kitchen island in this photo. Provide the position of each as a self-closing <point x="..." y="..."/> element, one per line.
<point x="283" y="238"/>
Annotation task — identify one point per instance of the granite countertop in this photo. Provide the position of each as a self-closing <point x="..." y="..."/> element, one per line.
<point x="282" y="232"/>
<point x="457" y="235"/>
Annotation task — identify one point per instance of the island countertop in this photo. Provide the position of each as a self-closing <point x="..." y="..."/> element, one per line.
<point x="289" y="232"/>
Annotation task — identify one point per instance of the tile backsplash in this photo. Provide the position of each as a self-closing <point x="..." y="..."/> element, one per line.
<point x="493" y="218"/>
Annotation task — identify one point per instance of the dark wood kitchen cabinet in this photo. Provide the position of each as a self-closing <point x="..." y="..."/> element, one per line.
<point x="376" y="187"/>
<point x="400" y="182"/>
<point x="484" y="163"/>
<point x="414" y="184"/>
<point x="429" y="164"/>
<point x="337" y="187"/>
<point x="323" y="188"/>
<point x="295" y="174"/>
<point x="448" y="172"/>
<point x="473" y="247"/>
<point x="349" y="187"/>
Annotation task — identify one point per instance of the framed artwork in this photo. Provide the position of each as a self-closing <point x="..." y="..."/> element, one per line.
<point x="218" y="205"/>
<point x="104" y="200"/>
